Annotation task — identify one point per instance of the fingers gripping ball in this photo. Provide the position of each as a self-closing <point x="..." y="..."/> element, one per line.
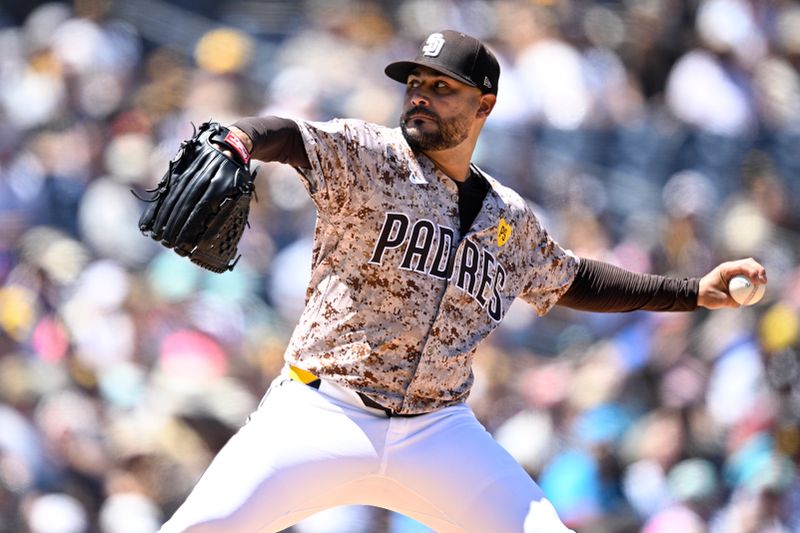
<point x="744" y="291"/>
<point x="200" y="206"/>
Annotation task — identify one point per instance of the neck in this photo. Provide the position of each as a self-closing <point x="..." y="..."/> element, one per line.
<point x="454" y="162"/>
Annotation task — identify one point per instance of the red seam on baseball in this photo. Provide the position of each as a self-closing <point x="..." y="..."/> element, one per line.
<point x="751" y="294"/>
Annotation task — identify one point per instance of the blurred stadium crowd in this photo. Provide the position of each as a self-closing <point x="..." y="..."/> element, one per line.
<point x="660" y="135"/>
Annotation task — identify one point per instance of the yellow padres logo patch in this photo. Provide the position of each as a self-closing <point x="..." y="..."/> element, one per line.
<point x="503" y="232"/>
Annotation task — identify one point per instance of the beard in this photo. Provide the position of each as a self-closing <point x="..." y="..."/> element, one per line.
<point x="450" y="132"/>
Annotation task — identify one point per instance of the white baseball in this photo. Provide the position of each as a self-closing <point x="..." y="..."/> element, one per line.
<point x="744" y="291"/>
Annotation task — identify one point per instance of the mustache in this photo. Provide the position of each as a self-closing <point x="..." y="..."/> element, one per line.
<point x="419" y="111"/>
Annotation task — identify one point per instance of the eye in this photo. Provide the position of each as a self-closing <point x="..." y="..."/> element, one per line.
<point x="413" y="83"/>
<point x="441" y="86"/>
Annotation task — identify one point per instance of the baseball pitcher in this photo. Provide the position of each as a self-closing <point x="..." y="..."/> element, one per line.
<point x="418" y="255"/>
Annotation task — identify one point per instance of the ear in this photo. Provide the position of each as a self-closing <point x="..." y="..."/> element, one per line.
<point x="486" y="105"/>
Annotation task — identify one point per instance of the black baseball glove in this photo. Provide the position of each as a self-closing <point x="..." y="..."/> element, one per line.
<point x="200" y="206"/>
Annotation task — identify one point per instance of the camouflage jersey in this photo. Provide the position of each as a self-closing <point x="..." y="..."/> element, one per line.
<point x="398" y="299"/>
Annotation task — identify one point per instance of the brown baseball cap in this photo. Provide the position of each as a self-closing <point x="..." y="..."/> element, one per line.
<point x="454" y="54"/>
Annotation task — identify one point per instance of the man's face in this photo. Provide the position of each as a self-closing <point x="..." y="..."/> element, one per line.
<point x="438" y="111"/>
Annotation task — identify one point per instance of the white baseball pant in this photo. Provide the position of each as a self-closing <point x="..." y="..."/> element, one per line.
<point x="306" y="450"/>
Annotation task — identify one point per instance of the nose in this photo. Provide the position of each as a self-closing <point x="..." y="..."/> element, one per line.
<point x="418" y="98"/>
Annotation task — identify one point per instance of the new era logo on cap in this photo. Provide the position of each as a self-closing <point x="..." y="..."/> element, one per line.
<point x="454" y="54"/>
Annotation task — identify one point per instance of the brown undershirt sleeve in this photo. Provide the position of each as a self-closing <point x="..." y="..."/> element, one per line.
<point x="602" y="287"/>
<point x="275" y="139"/>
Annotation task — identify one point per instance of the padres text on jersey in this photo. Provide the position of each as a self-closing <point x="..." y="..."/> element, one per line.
<point x="475" y="271"/>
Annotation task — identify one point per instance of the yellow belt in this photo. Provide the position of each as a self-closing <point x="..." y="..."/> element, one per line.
<point x="304" y="376"/>
<point x="307" y="378"/>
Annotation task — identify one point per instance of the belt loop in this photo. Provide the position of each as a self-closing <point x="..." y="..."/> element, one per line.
<point x="369" y="402"/>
